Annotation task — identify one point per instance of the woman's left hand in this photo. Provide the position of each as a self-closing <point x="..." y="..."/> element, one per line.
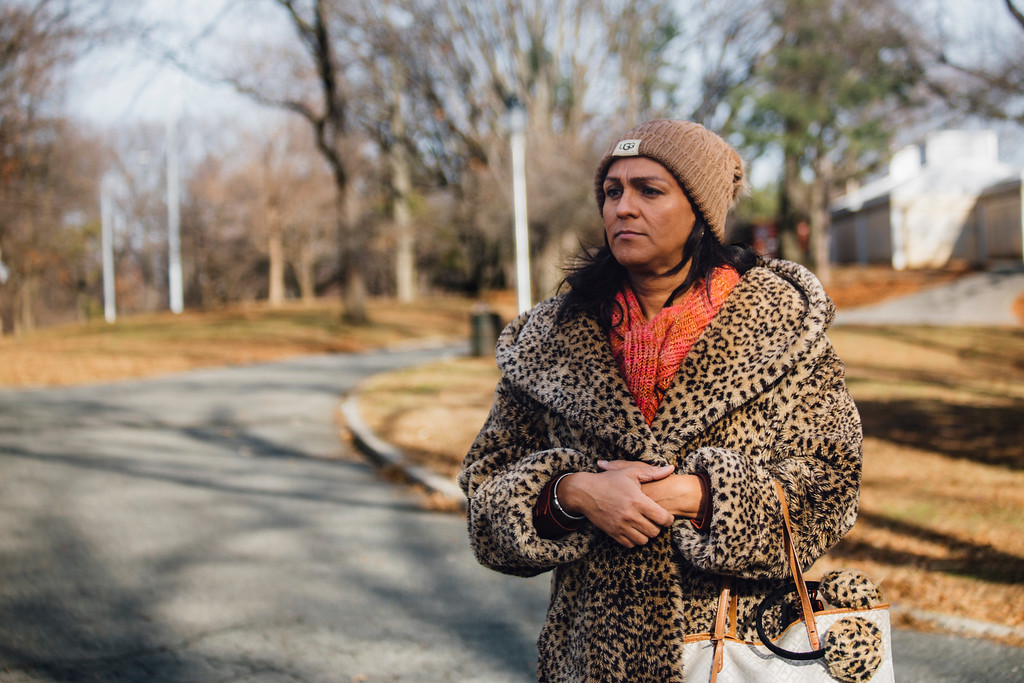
<point x="680" y="494"/>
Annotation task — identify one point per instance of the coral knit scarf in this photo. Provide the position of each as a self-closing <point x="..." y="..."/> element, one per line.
<point x="650" y="352"/>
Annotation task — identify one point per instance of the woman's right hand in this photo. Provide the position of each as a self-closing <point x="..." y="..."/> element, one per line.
<point x="613" y="502"/>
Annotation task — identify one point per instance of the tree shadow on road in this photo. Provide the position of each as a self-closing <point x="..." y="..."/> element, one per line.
<point x="64" y="619"/>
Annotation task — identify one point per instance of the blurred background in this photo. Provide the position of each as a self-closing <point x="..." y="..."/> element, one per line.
<point x="164" y="155"/>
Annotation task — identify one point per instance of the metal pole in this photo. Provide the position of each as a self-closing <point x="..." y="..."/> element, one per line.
<point x="517" y="122"/>
<point x="174" y="276"/>
<point x="107" y="249"/>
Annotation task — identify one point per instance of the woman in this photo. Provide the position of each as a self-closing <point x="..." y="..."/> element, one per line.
<point x="643" y="415"/>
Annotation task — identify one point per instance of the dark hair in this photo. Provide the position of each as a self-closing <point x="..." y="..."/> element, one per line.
<point x="596" y="277"/>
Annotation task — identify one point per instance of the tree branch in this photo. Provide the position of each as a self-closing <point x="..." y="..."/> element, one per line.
<point x="1017" y="14"/>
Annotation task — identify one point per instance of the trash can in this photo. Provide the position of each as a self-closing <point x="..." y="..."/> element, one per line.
<point x="485" y="325"/>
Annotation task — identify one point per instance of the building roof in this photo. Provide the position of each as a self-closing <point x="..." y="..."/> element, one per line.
<point x="950" y="163"/>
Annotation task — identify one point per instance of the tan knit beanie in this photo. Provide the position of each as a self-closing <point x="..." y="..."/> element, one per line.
<point x="707" y="168"/>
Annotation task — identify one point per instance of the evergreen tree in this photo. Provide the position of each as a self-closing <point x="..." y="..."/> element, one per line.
<point x="825" y="95"/>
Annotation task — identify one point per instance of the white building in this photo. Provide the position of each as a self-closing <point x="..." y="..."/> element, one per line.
<point x="950" y="200"/>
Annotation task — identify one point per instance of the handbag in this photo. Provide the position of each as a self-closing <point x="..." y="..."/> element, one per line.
<point x="846" y="644"/>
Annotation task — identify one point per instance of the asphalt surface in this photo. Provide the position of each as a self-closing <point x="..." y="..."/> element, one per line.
<point x="212" y="526"/>
<point x="985" y="298"/>
<point x="191" y="529"/>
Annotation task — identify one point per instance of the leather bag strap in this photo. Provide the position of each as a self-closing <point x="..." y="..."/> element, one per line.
<point x="734" y="610"/>
<point x="718" y="636"/>
<point x="807" y="611"/>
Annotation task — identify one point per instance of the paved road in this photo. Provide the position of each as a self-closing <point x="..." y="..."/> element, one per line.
<point x="192" y="529"/>
<point x="181" y="530"/>
<point x="980" y="299"/>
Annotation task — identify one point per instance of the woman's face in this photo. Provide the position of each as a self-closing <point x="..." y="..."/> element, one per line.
<point x="647" y="217"/>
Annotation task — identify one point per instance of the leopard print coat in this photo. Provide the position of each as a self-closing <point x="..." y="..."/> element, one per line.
<point x="760" y="397"/>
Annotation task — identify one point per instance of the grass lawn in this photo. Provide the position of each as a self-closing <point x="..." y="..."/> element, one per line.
<point x="942" y="508"/>
<point x="158" y="344"/>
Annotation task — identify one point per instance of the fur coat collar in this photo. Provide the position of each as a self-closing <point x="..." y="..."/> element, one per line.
<point x="569" y="367"/>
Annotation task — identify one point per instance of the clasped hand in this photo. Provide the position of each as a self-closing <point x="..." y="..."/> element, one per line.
<point x="630" y="501"/>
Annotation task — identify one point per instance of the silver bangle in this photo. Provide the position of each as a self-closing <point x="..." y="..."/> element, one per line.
<point x="557" y="505"/>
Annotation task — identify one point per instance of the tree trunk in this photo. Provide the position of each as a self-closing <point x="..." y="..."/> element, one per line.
<point x="401" y="187"/>
<point x="630" y="69"/>
<point x="352" y="255"/>
<point x="6" y="317"/>
<point x="821" y="224"/>
<point x="1015" y="13"/>
<point x="275" y="255"/>
<point x="330" y="128"/>
<point x="789" y="216"/>
<point x="405" y="254"/>
<point x="304" y="274"/>
<point x="551" y="262"/>
<point x="26" y="313"/>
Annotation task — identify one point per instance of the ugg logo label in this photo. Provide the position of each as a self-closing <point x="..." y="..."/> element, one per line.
<point x="627" y="148"/>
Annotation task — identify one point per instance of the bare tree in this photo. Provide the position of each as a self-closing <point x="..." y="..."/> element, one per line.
<point x="542" y="54"/>
<point x="258" y="216"/>
<point x="392" y="64"/>
<point x="139" y="195"/>
<point x="307" y="231"/>
<point x="1015" y="13"/>
<point x="290" y="182"/>
<point x="639" y="36"/>
<point x="428" y="81"/>
<point x="315" y="87"/>
<point x="579" y="67"/>
<point x="729" y="40"/>
<point x="37" y="41"/>
<point x="330" y="123"/>
<point x="227" y="262"/>
<point x="991" y="87"/>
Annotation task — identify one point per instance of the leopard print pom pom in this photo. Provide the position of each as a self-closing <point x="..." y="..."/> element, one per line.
<point x="853" y="649"/>
<point x="850" y="588"/>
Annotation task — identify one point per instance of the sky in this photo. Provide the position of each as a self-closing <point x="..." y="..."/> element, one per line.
<point x="115" y="85"/>
<point x="121" y="83"/>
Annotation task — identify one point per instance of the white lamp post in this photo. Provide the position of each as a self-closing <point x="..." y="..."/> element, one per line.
<point x="517" y="126"/>
<point x="174" y="275"/>
<point x="107" y="247"/>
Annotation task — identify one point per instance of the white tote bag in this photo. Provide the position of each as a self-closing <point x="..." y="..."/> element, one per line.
<point x="744" y="662"/>
<point x="796" y="655"/>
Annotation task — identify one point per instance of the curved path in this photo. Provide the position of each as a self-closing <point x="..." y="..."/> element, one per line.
<point x="212" y="526"/>
<point x="985" y="298"/>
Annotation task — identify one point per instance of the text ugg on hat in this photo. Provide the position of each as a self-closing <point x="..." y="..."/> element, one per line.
<point x="706" y="166"/>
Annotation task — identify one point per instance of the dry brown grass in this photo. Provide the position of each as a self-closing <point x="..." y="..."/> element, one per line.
<point x="158" y="344"/>
<point x="432" y="412"/>
<point x="861" y="285"/>
<point x="942" y="509"/>
<point x="942" y="506"/>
